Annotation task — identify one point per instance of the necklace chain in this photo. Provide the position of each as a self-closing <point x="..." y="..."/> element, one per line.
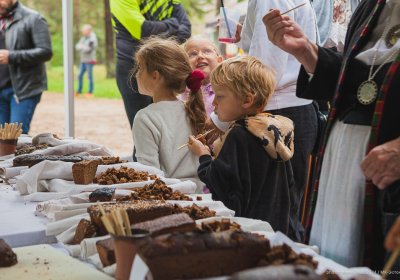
<point x="393" y="52"/>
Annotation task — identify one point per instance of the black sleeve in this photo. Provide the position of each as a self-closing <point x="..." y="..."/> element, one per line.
<point x="323" y="84"/>
<point x="185" y="27"/>
<point x="40" y="51"/>
<point x="228" y="175"/>
<point x="168" y="27"/>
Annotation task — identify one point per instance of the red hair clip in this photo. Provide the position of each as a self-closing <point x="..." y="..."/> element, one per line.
<point x="194" y="79"/>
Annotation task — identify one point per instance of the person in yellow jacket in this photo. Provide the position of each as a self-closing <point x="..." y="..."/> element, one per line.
<point x="134" y="20"/>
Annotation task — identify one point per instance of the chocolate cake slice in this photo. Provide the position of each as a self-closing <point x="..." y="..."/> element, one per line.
<point x="7" y="256"/>
<point x="200" y="255"/>
<point x="167" y="224"/>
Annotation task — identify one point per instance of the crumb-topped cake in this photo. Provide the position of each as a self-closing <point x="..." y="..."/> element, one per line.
<point x="137" y="210"/>
<point x="157" y="190"/>
<point x="122" y="175"/>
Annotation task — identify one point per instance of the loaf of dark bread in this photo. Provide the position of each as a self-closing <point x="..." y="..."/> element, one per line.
<point x="85" y="229"/>
<point x="105" y="248"/>
<point x="7" y="256"/>
<point x="84" y="171"/>
<point x="200" y="254"/>
<point x="103" y="195"/>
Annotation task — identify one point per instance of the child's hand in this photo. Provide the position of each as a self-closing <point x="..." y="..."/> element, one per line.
<point x="215" y="134"/>
<point x="197" y="147"/>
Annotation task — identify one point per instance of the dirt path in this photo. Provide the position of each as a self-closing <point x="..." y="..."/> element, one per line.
<point x="102" y="121"/>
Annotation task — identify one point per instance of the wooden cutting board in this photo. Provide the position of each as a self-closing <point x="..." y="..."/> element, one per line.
<point x="43" y="262"/>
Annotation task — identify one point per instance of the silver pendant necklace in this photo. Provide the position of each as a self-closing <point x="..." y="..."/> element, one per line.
<point x="392" y="36"/>
<point x="368" y="90"/>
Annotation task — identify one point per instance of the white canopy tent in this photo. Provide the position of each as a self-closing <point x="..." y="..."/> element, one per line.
<point x="68" y="58"/>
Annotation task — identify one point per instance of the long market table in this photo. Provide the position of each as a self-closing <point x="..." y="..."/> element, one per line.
<point x="19" y="226"/>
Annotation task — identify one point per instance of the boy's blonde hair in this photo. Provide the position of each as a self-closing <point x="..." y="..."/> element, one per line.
<point x="168" y="58"/>
<point x="245" y="74"/>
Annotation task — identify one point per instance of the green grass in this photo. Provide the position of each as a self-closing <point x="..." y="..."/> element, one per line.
<point x="103" y="87"/>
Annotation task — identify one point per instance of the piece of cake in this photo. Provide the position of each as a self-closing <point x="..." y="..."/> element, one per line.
<point x="218" y="226"/>
<point x="85" y="229"/>
<point x="105" y="248"/>
<point x="195" y="212"/>
<point x="84" y="171"/>
<point x="283" y="254"/>
<point x="111" y="160"/>
<point x="121" y="175"/>
<point x="137" y="210"/>
<point x="167" y="224"/>
<point x="157" y="190"/>
<point x="200" y="255"/>
<point x="102" y="195"/>
<point x="7" y="256"/>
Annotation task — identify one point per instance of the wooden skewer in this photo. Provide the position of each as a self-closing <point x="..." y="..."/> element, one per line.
<point x="197" y="137"/>
<point x="390" y="262"/>
<point x="118" y="227"/>
<point x="127" y="224"/>
<point x="106" y="222"/>
<point x="293" y="9"/>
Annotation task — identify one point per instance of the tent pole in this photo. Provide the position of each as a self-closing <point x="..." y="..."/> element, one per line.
<point x="68" y="58"/>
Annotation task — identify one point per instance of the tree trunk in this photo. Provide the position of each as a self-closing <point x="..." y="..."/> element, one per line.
<point x="109" y="40"/>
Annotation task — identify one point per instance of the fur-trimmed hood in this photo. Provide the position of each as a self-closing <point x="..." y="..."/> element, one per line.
<point x="275" y="132"/>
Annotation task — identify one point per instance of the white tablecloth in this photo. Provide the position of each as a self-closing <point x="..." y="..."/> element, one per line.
<point x="18" y="224"/>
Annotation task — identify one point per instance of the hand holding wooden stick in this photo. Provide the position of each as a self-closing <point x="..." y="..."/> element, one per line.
<point x="197" y="137"/>
<point x="293" y="9"/>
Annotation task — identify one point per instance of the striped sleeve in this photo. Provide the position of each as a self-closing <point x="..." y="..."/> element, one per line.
<point x="128" y="14"/>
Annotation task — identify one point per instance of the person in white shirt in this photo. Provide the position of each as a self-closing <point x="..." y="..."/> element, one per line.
<point x="254" y="40"/>
<point x="163" y="72"/>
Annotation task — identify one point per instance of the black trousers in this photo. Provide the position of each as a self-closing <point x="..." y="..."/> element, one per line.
<point x="127" y="85"/>
<point x="305" y="135"/>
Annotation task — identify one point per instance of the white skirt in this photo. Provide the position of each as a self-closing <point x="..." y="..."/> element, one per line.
<point x="338" y="220"/>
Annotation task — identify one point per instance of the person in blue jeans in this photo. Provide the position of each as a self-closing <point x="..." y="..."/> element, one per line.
<point x="25" y="46"/>
<point x="87" y="48"/>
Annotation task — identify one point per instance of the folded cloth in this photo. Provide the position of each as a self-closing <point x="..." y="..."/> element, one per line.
<point x="77" y="147"/>
<point x="55" y="209"/>
<point x="56" y="228"/>
<point x="88" y="246"/>
<point x="27" y="182"/>
<point x="187" y="187"/>
<point x="73" y="250"/>
<point x="47" y="138"/>
<point x="11" y="172"/>
<point x="95" y="260"/>
<point x="67" y="236"/>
